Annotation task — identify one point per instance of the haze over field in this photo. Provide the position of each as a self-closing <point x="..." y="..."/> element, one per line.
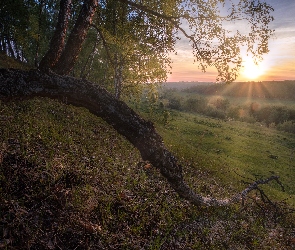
<point x="277" y="65"/>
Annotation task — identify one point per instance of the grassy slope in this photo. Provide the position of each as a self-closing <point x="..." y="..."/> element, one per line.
<point x="69" y="181"/>
<point x="229" y="149"/>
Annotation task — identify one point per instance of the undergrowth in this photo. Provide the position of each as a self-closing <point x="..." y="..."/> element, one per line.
<point x="69" y="181"/>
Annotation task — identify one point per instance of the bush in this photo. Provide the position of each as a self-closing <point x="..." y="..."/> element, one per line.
<point x="221" y="103"/>
<point x="273" y="114"/>
<point x="248" y="119"/>
<point x="287" y="126"/>
<point x="215" y="113"/>
<point x="233" y="112"/>
<point x="174" y="103"/>
<point x="196" y="104"/>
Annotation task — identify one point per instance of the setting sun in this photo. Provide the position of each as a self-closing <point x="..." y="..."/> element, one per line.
<point x="251" y="70"/>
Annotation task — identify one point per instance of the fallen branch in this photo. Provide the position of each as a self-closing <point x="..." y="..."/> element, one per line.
<point x="18" y="84"/>
<point x="255" y="186"/>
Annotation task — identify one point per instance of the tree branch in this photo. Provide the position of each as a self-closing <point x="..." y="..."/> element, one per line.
<point x="141" y="133"/>
<point x="105" y="45"/>
<point x="174" y="20"/>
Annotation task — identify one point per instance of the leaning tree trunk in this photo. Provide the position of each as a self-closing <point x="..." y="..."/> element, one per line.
<point x="58" y="40"/>
<point x="141" y="133"/>
<point x="76" y="38"/>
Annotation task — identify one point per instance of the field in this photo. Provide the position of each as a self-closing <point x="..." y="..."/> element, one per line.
<point x="69" y="181"/>
<point x="231" y="149"/>
<point x="238" y="144"/>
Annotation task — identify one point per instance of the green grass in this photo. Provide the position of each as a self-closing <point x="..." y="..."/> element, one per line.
<point x="70" y="181"/>
<point x="231" y="149"/>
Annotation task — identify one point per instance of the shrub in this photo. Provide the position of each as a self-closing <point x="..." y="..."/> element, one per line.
<point x="248" y="119"/>
<point x="273" y="114"/>
<point x="174" y="103"/>
<point x="287" y="126"/>
<point x="196" y="104"/>
<point x="215" y="113"/>
<point x="233" y="112"/>
<point x="221" y="103"/>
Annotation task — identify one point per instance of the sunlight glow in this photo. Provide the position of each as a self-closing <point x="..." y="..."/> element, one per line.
<point x="250" y="70"/>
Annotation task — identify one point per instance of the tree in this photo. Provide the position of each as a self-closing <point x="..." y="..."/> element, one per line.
<point x="205" y="20"/>
<point x="67" y="54"/>
<point x="24" y="33"/>
<point x="57" y="42"/>
<point x="127" y="62"/>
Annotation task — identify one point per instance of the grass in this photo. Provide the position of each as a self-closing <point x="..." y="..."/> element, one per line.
<point x="228" y="149"/>
<point x="70" y="181"/>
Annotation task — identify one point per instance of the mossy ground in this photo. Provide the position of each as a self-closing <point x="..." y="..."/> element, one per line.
<point x="69" y="181"/>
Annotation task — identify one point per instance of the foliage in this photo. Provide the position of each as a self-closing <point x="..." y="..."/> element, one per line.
<point x="214" y="112"/>
<point x="25" y="33"/>
<point x="129" y="62"/>
<point x="216" y="44"/>
<point x="130" y="41"/>
<point x="221" y="103"/>
<point x="272" y="114"/>
<point x="175" y="103"/>
<point x="196" y="104"/>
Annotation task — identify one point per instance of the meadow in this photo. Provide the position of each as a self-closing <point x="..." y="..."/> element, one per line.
<point x="232" y="150"/>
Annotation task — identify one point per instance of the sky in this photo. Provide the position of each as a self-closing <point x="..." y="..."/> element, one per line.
<point x="277" y="65"/>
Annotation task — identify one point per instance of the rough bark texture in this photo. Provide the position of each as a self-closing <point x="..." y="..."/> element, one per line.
<point x="141" y="133"/>
<point x="73" y="47"/>
<point x="58" y="40"/>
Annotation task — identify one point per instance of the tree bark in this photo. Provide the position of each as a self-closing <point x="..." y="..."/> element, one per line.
<point x="10" y="49"/>
<point x="141" y="133"/>
<point x="57" y="42"/>
<point x="73" y="46"/>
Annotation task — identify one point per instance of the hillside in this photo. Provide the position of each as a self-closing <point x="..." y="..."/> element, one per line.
<point x="69" y="181"/>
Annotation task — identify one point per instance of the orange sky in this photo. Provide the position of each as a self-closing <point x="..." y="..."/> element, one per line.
<point x="278" y="64"/>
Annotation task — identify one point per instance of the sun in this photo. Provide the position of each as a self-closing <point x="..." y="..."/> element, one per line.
<point x="251" y="70"/>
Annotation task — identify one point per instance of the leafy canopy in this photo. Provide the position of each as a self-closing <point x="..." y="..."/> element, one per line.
<point x="130" y="40"/>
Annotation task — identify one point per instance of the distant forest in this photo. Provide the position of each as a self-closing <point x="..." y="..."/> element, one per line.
<point x="269" y="90"/>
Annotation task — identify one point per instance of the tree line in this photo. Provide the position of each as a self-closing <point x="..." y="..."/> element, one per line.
<point x="281" y="117"/>
<point x="261" y="90"/>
